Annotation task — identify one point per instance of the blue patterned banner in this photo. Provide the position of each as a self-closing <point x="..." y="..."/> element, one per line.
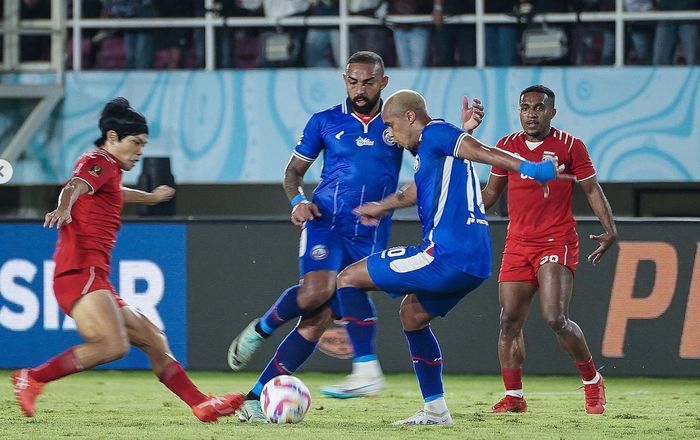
<point x="640" y="124"/>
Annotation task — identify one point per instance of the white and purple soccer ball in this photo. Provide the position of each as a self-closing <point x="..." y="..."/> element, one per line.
<point x="285" y="399"/>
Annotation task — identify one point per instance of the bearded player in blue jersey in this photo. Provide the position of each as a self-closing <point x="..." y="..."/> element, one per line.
<point x="361" y="163"/>
<point x="454" y="257"/>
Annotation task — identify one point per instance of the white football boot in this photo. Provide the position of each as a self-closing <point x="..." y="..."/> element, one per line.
<point x="425" y="417"/>
<point x="366" y="380"/>
<point x="251" y="412"/>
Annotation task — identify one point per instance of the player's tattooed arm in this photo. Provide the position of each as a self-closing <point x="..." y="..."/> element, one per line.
<point x="302" y="209"/>
<point x="160" y="194"/>
<point x="371" y="213"/>
<point x="69" y="194"/>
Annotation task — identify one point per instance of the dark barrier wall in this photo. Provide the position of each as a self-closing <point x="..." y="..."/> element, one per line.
<point x="639" y="309"/>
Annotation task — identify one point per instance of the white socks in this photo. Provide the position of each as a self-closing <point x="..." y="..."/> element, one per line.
<point x="592" y="381"/>
<point x="515" y="393"/>
<point x="437" y="406"/>
<point x="367" y="369"/>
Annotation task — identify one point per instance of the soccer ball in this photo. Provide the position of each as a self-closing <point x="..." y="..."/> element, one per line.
<point x="285" y="399"/>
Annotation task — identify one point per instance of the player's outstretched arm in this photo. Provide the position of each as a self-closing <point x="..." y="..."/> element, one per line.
<point x="601" y="208"/>
<point x="370" y="213"/>
<point x="69" y="194"/>
<point x="160" y="194"/>
<point x="302" y="209"/>
<point x="471" y="148"/>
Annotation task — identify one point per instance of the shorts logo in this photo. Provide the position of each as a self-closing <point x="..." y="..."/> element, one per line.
<point x="388" y="138"/>
<point x="95" y="170"/>
<point x="416" y="164"/>
<point x="319" y="252"/>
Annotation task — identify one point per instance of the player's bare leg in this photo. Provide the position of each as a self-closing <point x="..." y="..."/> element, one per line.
<point x="515" y="299"/>
<point x="147" y="336"/>
<point x="366" y="379"/>
<point x="100" y="324"/>
<point x="556" y="288"/>
<point x="314" y="290"/>
<point x="427" y="364"/>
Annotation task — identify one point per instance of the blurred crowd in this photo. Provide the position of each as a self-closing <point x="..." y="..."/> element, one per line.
<point x="433" y="42"/>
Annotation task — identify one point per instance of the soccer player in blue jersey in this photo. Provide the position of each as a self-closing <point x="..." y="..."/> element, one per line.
<point x="455" y="255"/>
<point x="361" y="164"/>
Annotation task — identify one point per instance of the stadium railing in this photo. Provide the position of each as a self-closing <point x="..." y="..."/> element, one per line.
<point x="59" y="24"/>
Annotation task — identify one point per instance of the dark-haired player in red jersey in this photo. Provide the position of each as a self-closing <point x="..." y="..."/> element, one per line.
<point x="88" y="218"/>
<point x="541" y="251"/>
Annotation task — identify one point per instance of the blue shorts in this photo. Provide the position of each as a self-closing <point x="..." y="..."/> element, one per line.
<point x="404" y="270"/>
<point x="323" y="248"/>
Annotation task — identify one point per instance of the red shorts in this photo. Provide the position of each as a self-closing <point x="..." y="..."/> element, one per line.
<point x="70" y="286"/>
<point x="521" y="261"/>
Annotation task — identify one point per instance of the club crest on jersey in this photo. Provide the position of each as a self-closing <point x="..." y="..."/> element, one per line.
<point x="319" y="252"/>
<point x="549" y="155"/>
<point x="364" y="142"/>
<point x="416" y="164"/>
<point x="95" y="170"/>
<point x="388" y="138"/>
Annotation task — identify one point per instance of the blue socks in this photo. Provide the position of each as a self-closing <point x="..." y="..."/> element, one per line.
<point x="427" y="362"/>
<point x="290" y="354"/>
<point x="283" y="310"/>
<point x="361" y="317"/>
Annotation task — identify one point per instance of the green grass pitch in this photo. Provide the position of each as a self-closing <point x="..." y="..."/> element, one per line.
<point x="134" y="405"/>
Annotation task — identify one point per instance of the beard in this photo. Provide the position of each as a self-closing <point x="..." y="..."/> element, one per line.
<point x="367" y="107"/>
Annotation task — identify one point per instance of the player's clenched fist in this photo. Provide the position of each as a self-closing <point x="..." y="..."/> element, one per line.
<point x="304" y="211"/>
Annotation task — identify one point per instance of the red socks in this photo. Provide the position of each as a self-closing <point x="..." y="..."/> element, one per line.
<point x="587" y="369"/>
<point x="55" y="368"/>
<point x="512" y="378"/>
<point x="175" y="378"/>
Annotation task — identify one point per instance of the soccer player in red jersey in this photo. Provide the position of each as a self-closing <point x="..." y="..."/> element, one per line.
<point x="541" y="251"/>
<point x="88" y="218"/>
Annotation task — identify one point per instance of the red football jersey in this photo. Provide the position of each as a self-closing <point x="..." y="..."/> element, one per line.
<point x="88" y="240"/>
<point x="534" y="218"/>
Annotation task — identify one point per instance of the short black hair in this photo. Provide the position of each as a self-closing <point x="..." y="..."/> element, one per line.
<point x="366" y="57"/>
<point x="539" y="89"/>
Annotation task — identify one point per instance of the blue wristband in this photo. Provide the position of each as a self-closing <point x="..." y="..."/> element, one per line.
<point x="298" y="199"/>
<point x="541" y="171"/>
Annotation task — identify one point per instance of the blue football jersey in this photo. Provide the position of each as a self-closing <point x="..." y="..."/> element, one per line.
<point x="361" y="164"/>
<point x="449" y="202"/>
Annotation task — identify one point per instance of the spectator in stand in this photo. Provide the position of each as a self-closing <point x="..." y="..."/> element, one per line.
<point x="321" y="48"/>
<point x="641" y="34"/>
<point x="277" y="10"/>
<point x="451" y="38"/>
<point x="369" y="38"/>
<point x="228" y="43"/>
<point x="669" y="32"/>
<point x="502" y="39"/>
<point x="411" y="40"/>
<point x="138" y="42"/>
<point x="35" y="47"/>
<point x="174" y="40"/>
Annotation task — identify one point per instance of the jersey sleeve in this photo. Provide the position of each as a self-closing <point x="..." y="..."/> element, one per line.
<point x="500" y="171"/>
<point x="95" y="171"/>
<point x="444" y="139"/>
<point x="581" y="165"/>
<point x="310" y="142"/>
